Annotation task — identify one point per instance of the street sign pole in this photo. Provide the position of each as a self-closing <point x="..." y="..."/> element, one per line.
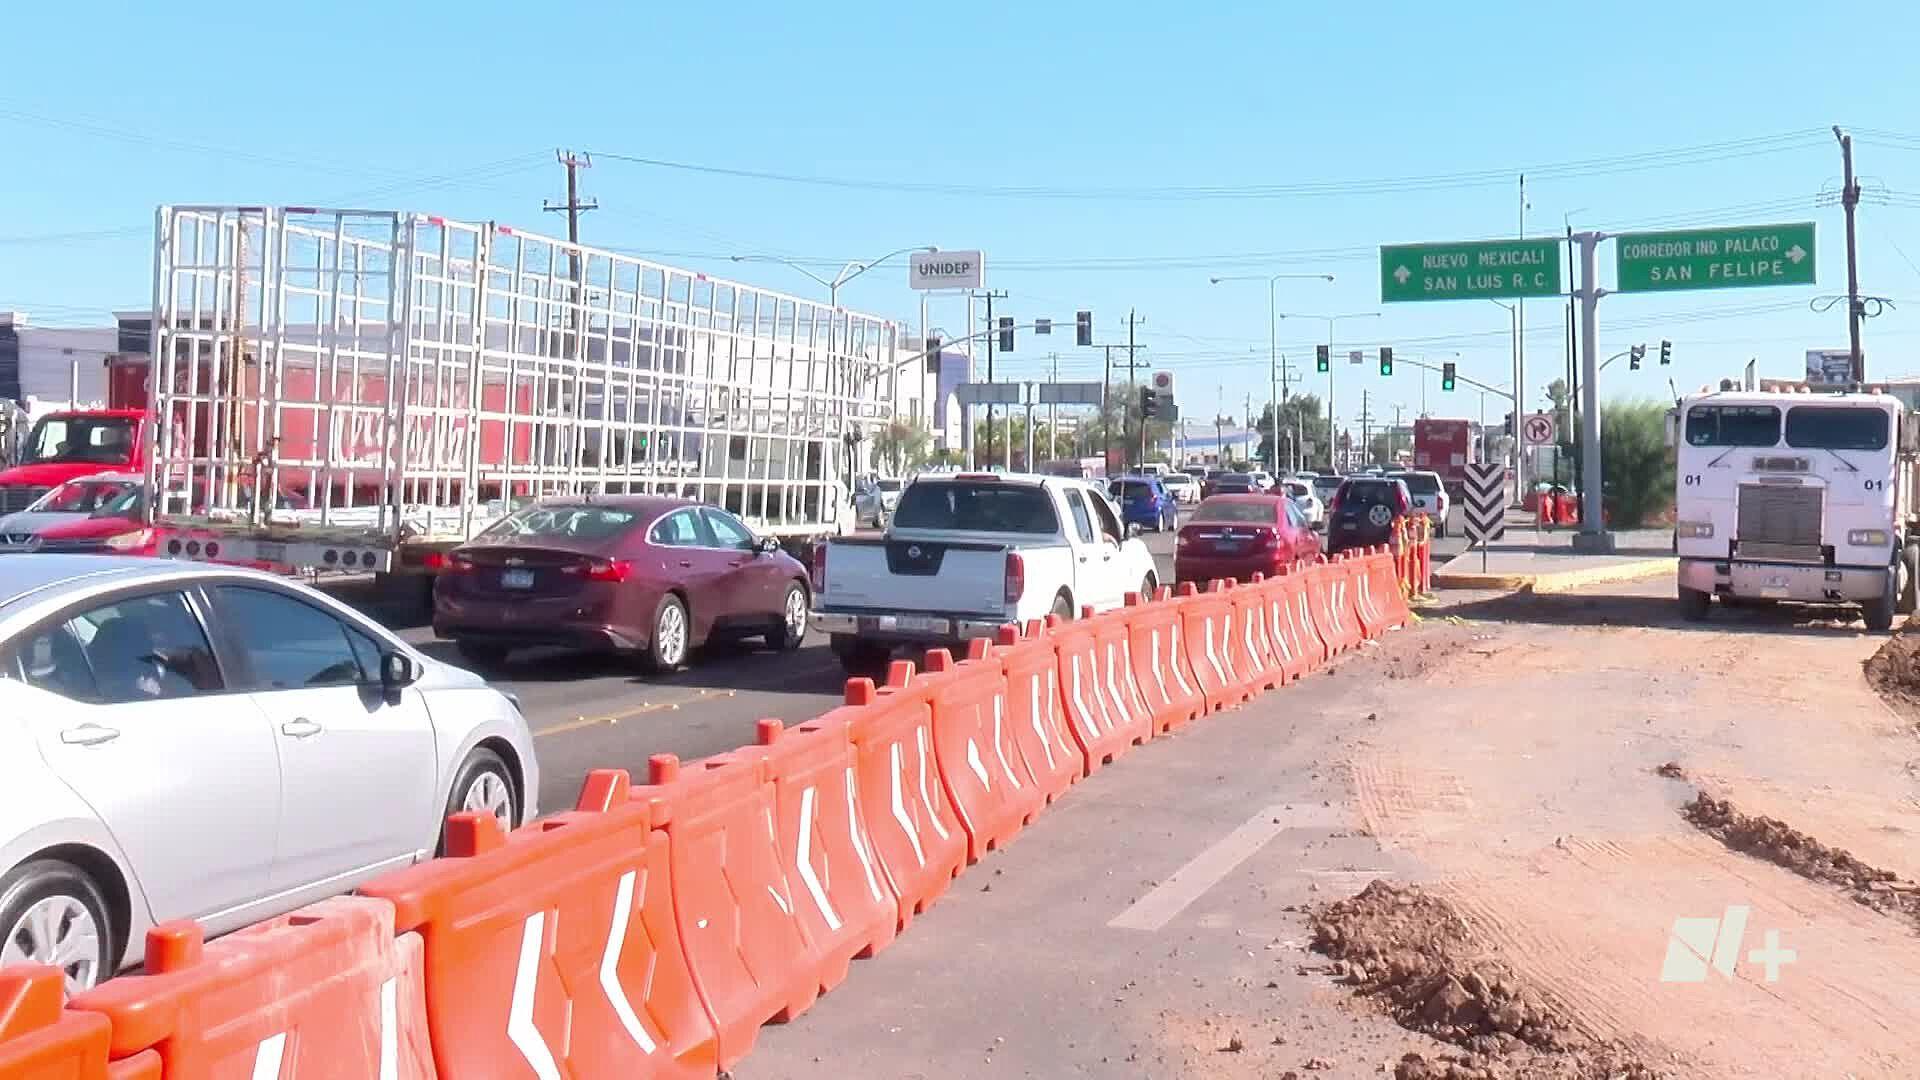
<point x="1593" y="536"/>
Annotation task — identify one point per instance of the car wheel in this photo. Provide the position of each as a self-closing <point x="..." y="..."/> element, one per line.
<point x="481" y="654"/>
<point x="485" y="785"/>
<point x="1910" y="579"/>
<point x="792" y="629"/>
<point x="1063" y="607"/>
<point x="1694" y="604"/>
<point x="52" y="913"/>
<point x="667" y="648"/>
<point x="1147" y="587"/>
<point x="861" y="658"/>
<point x="1878" y="612"/>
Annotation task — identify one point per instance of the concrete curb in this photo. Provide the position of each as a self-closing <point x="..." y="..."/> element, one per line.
<point x="1560" y="581"/>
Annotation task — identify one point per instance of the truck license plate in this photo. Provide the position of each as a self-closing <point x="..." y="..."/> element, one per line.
<point x="516" y="579"/>
<point x="1775" y="588"/>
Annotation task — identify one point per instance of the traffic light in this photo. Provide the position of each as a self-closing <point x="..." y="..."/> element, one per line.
<point x="1321" y="362"/>
<point x="1666" y="353"/>
<point x="1635" y="355"/>
<point x="1149" y="403"/>
<point x="1006" y="334"/>
<point x="1509" y="424"/>
<point x="1446" y="375"/>
<point x="1386" y="360"/>
<point x="1083" y="328"/>
<point x="933" y="354"/>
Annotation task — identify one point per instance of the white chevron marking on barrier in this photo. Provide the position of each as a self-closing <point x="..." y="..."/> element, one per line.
<point x="900" y="809"/>
<point x="390" y="1028"/>
<point x="1119" y="699"/>
<point x="803" y="861"/>
<point x="979" y="767"/>
<point x="1160" y="669"/>
<point x="780" y="901"/>
<point x="1080" y="700"/>
<point x="1276" y="632"/>
<point x="520" y="1029"/>
<point x="1206" y="635"/>
<point x="1046" y="743"/>
<point x="854" y="818"/>
<point x="266" y="1060"/>
<point x="926" y="795"/>
<point x="1000" y="744"/>
<point x="1226" y="646"/>
<point x="1248" y="626"/>
<point x="1173" y="650"/>
<point x="610" y="965"/>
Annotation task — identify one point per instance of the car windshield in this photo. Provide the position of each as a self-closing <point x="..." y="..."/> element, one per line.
<point x="1829" y="428"/>
<point x="570" y="522"/>
<point x="103" y="440"/>
<point x="1420" y="483"/>
<point x="1257" y="513"/>
<point x="1368" y="493"/>
<point x="977" y="506"/>
<point x="1733" y="425"/>
<point x="84" y="496"/>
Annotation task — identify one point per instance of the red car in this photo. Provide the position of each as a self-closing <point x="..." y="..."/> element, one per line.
<point x="648" y="576"/>
<point x="1237" y="536"/>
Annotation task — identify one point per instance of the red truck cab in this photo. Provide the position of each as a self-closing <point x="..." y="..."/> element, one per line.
<point x="70" y="444"/>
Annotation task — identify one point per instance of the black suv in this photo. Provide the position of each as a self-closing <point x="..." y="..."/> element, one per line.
<point x="1364" y="512"/>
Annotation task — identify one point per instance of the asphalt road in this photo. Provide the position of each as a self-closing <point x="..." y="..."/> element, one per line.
<point x="596" y="712"/>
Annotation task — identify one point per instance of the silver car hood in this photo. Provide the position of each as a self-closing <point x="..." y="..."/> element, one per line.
<point x="33" y="521"/>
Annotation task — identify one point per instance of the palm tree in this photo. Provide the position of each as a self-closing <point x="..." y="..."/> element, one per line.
<point x="902" y="446"/>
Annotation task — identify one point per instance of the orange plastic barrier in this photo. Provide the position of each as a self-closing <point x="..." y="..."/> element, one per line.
<point x="912" y="825"/>
<point x="1283" y="628"/>
<point x="1381" y="597"/>
<point x="1113" y="643"/>
<point x="1325" y="588"/>
<point x="841" y="898"/>
<point x="1160" y="666"/>
<point x="325" y="992"/>
<point x="553" y="952"/>
<point x="731" y="897"/>
<point x="1205" y="619"/>
<point x="41" y="1041"/>
<point x="1350" y="575"/>
<point x="1259" y="665"/>
<point x="1035" y="714"/>
<point x="1097" y="725"/>
<point x="992" y="792"/>
<point x="1308" y="616"/>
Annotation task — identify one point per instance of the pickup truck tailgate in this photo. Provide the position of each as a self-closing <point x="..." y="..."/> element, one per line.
<point x="915" y="575"/>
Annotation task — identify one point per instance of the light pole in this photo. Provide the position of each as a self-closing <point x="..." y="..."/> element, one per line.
<point x="1330" y="320"/>
<point x="1276" y="375"/>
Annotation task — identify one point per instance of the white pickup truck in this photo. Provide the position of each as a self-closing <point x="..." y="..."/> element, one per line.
<point x="968" y="552"/>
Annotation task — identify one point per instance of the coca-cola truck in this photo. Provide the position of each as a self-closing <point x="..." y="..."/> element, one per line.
<point x="1445" y="447"/>
<point x="412" y="379"/>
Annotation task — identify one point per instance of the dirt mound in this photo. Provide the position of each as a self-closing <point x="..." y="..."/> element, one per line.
<point x="1783" y="845"/>
<point x="1894" y="671"/>
<point x="1410" y="951"/>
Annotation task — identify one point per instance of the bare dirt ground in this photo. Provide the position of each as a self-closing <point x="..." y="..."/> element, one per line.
<point x="1541" y="778"/>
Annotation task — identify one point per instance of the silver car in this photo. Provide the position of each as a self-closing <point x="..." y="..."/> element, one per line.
<point x="194" y="741"/>
<point x="875" y="502"/>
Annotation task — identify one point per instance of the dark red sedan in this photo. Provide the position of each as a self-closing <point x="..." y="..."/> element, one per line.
<point x="1237" y="536"/>
<point x="648" y="576"/>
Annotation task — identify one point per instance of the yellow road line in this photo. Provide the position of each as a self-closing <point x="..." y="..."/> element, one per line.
<point x="643" y="709"/>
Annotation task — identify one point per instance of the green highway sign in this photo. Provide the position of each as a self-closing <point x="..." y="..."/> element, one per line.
<point x="1714" y="258"/>
<point x="1470" y="270"/>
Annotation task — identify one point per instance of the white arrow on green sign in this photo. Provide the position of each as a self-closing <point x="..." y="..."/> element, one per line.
<point x="1470" y="270"/>
<point x="1730" y="258"/>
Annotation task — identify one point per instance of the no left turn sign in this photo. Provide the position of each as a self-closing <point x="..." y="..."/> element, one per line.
<point x="1539" y="429"/>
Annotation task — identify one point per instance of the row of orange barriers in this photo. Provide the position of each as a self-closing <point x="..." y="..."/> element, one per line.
<point x="652" y="930"/>
<point x="1413" y="554"/>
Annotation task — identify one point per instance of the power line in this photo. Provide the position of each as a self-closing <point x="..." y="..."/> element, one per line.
<point x="1653" y="159"/>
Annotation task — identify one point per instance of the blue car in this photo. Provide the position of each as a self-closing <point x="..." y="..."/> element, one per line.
<point x="1146" y="502"/>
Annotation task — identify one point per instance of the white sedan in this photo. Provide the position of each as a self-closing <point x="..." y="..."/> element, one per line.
<point x="1184" y="489"/>
<point x="194" y="741"/>
<point x="1308" y="503"/>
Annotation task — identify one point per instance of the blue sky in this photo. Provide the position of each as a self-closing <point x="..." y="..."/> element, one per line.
<point x="457" y="108"/>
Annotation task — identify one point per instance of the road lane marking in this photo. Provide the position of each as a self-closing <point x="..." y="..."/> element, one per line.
<point x="1207" y="869"/>
<point x="642" y="709"/>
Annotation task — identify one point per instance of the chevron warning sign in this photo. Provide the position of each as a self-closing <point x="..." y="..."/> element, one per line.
<point x="1486" y="502"/>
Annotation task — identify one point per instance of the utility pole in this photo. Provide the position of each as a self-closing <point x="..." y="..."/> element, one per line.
<point x="1393" y="431"/>
<point x="573" y="208"/>
<point x="1106" y="427"/>
<point x="1053" y="408"/>
<point x="1520" y="322"/>
<point x="1850" y="198"/>
<point x="1133" y="390"/>
<point x="1366" y="425"/>
<point x="992" y="328"/>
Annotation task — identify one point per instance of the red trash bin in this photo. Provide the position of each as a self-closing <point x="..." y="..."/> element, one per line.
<point x="1569" y="509"/>
<point x="1543" y="507"/>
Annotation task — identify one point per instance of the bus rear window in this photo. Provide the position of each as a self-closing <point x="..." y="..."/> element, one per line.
<point x="1817" y="428"/>
<point x="1733" y="425"/>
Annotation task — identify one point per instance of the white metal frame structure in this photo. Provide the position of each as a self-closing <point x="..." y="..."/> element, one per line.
<point x="527" y="367"/>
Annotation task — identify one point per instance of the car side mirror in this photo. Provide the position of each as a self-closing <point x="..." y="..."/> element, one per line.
<point x="397" y="672"/>
<point x="769" y="544"/>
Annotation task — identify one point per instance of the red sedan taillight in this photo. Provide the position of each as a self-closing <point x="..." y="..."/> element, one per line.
<point x="1016" y="577"/>
<point x="611" y="570"/>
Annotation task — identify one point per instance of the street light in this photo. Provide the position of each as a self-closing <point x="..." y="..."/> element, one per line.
<point x="1275" y="373"/>
<point x="1330" y="320"/>
<point x="847" y="273"/>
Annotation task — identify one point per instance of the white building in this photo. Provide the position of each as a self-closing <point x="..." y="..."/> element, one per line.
<point x="44" y="367"/>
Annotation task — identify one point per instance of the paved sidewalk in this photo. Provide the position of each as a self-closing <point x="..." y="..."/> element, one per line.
<point x="1544" y="559"/>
